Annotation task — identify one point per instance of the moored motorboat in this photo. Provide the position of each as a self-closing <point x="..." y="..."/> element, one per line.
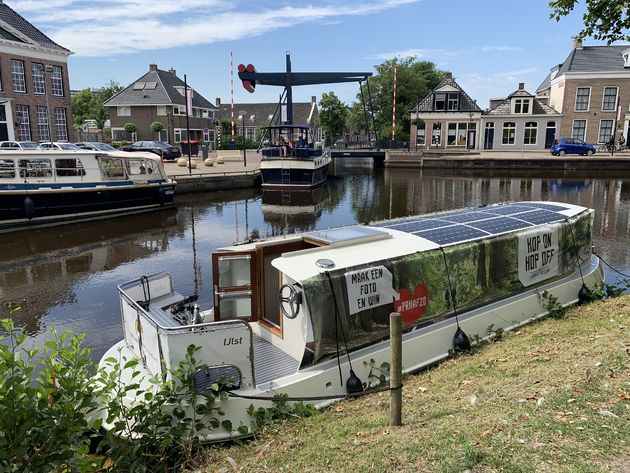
<point x="41" y="188"/>
<point x="295" y="315"/>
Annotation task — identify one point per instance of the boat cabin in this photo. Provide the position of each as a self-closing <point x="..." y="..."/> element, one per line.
<point x="289" y="141"/>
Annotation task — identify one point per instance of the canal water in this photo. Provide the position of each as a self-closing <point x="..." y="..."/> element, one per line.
<point x="67" y="276"/>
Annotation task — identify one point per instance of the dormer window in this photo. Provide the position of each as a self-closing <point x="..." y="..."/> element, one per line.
<point x="626" y="58"/>
<point x="522" y="106"/>
<point x="440" y="102"/>
<point x="453" y="102"/>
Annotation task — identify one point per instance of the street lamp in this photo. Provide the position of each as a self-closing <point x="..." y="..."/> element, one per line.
<point x="242" y="113"/>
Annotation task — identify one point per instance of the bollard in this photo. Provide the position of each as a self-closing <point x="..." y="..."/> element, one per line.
<point x="395" y="368"/>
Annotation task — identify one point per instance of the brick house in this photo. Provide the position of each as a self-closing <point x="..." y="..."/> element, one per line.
<point x="447" y="118"/>
<point x="519" y="122"/>
<point x="34" y="87"/>
<point x="591" y="89"/>
<point x="158" y="96"/>
<point x="259" y="115"/>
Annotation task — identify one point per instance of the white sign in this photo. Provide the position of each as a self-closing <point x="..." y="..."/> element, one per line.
<point x="537" y="255"/>
<point x="369" y="288"/>
<point x="283" y="114"/>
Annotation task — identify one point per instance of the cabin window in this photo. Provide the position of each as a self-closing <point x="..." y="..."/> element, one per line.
<point x="112" y="168"/>
<point x="509" y="133"/>
<point x="234" y="271"/>
<point x="140" y="166"/>
<point x="35" y="168"/>
<point x="69" y="167"/>
<point x="7" y="169"/>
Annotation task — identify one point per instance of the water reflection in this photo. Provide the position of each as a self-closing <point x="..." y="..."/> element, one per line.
<point x="67" y="276"/>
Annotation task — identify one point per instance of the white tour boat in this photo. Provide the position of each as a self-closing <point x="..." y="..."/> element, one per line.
<point x="41" y="188"/>
<point x="294" y="315"/>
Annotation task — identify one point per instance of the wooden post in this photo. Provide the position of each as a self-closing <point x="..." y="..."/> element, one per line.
<point x="395" y="366"/>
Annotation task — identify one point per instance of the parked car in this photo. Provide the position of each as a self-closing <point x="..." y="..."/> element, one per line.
<point x="341" y="144"/>
<point x="95" y="146"/>
<point x="168" y="151"/>
<point x="60" y="146"/>
<point x="564" y="146"/>
<point x="14" y="145"/>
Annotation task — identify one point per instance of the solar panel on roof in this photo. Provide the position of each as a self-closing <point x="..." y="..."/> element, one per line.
<point x="418" y="225"/>
<point x="539" y="217"/>
<point x="500" y="225"/>
<point x="553" y="208"/>
<point x="138" y="86"/>
<point x="454" y="234"/>
<point x="466" y="217"/>
<point x="507" y="209"/>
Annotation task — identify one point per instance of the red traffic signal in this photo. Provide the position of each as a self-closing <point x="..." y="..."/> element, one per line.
<point x="249" y="85"/>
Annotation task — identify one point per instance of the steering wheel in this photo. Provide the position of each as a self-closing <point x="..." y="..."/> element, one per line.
<point x="290" y="304"/>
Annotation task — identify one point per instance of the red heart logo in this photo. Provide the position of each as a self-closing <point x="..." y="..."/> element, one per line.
<point x="411" y="307"/>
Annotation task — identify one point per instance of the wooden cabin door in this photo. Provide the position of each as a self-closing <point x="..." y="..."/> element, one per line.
<point x="234" y="280"/>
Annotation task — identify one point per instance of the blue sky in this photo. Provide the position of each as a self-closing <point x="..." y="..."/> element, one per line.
<point x="488" y="45"/>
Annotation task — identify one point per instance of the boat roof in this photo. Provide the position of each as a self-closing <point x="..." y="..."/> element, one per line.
<point x="356" y="245"/>
<point x="288" y="126"/>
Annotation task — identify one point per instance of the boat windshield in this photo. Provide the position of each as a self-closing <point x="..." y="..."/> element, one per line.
<point x="289" y="136"/>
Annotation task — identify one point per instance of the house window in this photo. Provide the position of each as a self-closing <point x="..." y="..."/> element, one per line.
<point x="17" y="74"/>
<point x="610" y="99"/>
<point x="531" y="133"/>
<point x="39" y="84"/>
<point x="61" y="124"/>
<point x="451" y="138"/>
<point x="579" y="129"/>
<point x="178" y="135"/>
<point x="56" y="81"/>
<point x="521" y="105"/>
<point x="582" y="99"/>
<point x="436" y="134"/>
<point x="420" y="134"/>
<point x="179" y="109"/>
<point x="161" y="110"/>
<point x="440" y="102"/>
<point x="250" y="133"/>
<point x="42" y="124"/>
<point x="123" y="111"/>
<point x="453" y="102"/>
<point x="509" y="133"/>
<point x="605" y="131"/>
<point x="23" y="129"/>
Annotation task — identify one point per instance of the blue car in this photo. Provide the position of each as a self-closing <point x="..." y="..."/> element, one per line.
<point x="571" y="146"/>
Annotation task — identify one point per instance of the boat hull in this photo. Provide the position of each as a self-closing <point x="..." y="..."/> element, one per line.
<point x="27" y="206"/>
<point x="294" y="173"/>
<point x="422" y="346"/>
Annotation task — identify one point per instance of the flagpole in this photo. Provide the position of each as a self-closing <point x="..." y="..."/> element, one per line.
<point x="187" y="124"/>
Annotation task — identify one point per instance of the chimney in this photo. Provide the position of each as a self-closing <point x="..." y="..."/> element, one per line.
<point x="577" y="43"/>
<point x="313" y="99"/>
<point x="218" y="102"/>
<point x="521" y="86"/>
<point x="153" y="67"/>
<point x="449" y="75"/>
<point x="173" y="71"/>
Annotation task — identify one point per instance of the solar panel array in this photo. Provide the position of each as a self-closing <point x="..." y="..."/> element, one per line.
<point x="457" y="226"/>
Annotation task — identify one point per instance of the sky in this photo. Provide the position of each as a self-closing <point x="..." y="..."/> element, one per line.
<point x="489" y="45"/>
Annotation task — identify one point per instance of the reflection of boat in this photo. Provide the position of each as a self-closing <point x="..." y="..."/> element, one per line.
<point x="291" y="160"/>
<point x="296" y="315"/>
<point x="288" y="211"/>
<point x="52" y="187"/>
<point x="564" y="185"/>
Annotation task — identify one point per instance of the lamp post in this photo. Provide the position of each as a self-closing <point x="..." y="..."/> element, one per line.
<point x="48" y="71"/>
<point x="242" y="114"/>
<point x="470" y="115"/>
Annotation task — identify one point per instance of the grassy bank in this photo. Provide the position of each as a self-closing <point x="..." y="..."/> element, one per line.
<point x="554" y="396"/>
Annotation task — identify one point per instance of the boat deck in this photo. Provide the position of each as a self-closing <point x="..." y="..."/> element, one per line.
<point x="270" y="362"/>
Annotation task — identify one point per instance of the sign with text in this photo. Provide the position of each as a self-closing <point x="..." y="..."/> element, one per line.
<point x="369" y="288"/>
<point x="411" y="306"/>
<point x="538" y="255"/>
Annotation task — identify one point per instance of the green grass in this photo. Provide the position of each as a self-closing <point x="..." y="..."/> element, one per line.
<point x="551" y="397"/>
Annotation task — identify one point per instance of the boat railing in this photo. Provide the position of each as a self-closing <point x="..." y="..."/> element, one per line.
<point x="161" y="342"/>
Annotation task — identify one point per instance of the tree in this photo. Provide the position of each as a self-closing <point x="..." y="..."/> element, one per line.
<point x="88" y="105"/>
<point x="332" y="116"/>
<point x="157" y="127"/>
<point x="607" y="20"/>
<point x="414" y="81"/>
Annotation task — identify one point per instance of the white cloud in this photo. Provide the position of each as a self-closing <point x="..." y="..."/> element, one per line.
<point x="444" y="56"/>
<point x="104" y="28"/>
<point x="483" y="86"/>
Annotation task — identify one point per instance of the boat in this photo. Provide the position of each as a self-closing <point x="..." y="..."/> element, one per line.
<point x="291" y="160"/>
<point x="40" y="188"/>
<point x="305" y="315"/>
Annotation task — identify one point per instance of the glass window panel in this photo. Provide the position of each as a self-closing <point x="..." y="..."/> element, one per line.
<point x="582" y="97"/>
<point x="233" y="306"/>
<point x="17" y="75"/>
<point x="509" y="133"/>
<point x="605" y="131"/>
<point x="234" y="271"/>
<point x="39" y="84"/>
<point x="7" y="169"/>
<point x="579" y="129"/>
<point x="610" y="98"/>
